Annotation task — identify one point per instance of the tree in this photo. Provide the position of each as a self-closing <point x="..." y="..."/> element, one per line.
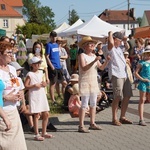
<point x="139" y="20"/>
<point x="36" y="13"/>
<point x="73" y="17"/>
<point x="33" y="28"/>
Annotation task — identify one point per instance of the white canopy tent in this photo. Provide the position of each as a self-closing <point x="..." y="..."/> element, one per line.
<point x="76" y="24"/>
<point x="95" y="27"/>
<point x="62" y="27"/>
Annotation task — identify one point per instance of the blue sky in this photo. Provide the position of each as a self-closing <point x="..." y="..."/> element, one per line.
<point x="86" y="9"/>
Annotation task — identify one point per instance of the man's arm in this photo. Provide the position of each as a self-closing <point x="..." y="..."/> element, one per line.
<point x="110" y="40"/>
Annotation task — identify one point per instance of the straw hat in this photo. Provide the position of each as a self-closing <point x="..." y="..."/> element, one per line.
<point x="85" y="40"/>
<point x="60" y="39"/>
<point x="75" y="88"/>
<point x="74" y="77"/>
<point x="126" y="53"/>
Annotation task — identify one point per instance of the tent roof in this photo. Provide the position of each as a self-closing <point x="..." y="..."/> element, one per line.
<point x="95" y="27"/>
<point x="76" y="24"/>
<point x="62" y="27"/>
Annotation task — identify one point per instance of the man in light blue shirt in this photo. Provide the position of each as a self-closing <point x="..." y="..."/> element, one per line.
<point x="117" y="73"/>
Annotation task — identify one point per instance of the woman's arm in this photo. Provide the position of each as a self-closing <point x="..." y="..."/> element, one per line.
<point x="83" y="64"/>
<point x="138" y="69"/>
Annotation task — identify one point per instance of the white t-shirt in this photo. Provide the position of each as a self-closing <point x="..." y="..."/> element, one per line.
<point x="12" y="82"/>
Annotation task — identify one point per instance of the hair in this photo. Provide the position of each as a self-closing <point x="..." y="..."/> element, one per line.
<point x="5" y="45"/>
<point x="140" y="40"/>
<point x="33" y="48"/>
<point x="3" y="38"/>
<point x="11" y="39"/>
<point x="146" y="54"/>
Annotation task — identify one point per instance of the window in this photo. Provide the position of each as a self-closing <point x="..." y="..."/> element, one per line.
<point x="3" y="7"/>
<point x="5" y="23"/>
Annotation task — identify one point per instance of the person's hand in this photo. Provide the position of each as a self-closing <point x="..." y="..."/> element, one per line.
<point x="97" y="58"/>
<point x="145" y="80"/>
<point x="108" y="58"/>
<point x="44" y="84"/>
<point x="22" y="108"/>
<point x="110" y="33"/>
<point x="7" y="123"/>
<point x="12" y="97"/>
<point x="21" y="95"/>
<point x="124" y="39"/>
<point x="38" y="85"/>
<point x="47" y="81"/>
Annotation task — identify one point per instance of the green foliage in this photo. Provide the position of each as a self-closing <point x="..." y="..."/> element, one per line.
<point x="139" y="20"/>
<point x="33" y="28"/>
<point x="73" y="17"/>
<point x="36" y="13"/>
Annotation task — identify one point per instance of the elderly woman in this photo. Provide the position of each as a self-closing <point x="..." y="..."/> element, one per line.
<point x="88" y="84"/>
<point x="14" y="138"/>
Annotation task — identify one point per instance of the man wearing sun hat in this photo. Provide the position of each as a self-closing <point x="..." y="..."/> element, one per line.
<point x="118" y="75"/>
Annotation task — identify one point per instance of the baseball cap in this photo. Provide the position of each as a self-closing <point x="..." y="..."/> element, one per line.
<point x="35" y="60"/>
<point x="53" y="34"/>
<point x="118" y="35"/>
<point x="16" y="65"/>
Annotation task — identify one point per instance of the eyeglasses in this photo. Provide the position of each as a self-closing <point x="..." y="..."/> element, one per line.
<point x="8" y="52"/>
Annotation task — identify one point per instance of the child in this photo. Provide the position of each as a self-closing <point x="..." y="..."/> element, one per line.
<point x="143" y="74"/>
<point x="74" y="103"/>
<point x="38" y="102"/>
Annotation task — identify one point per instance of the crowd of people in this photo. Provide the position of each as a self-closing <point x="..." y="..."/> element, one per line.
<point x="127" y="61"/>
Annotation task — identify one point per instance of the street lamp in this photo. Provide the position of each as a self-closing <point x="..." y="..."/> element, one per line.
<point x="69" y="13"/>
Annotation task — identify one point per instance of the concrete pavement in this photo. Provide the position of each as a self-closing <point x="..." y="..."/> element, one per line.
<point x="125" y="137"/>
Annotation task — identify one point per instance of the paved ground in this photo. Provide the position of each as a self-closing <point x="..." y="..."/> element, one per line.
<point x="125" y="137"/>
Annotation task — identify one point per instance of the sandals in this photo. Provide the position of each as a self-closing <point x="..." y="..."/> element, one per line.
<point x="125" y="121"/>
<point x="38" y="137"/>
<point x="47" y="136"/>
<point x="83" y="130"/>
<point x="142" y="123"/>
<point x="116" y="123"/>
<point x="95" y="127"/>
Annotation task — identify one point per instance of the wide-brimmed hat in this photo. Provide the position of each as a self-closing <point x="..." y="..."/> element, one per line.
<point x="16" y="66"/>
<point x="147" y="49"/>
<point x="126" y="53"/>
<point x="35" y="60"/>
<point x="85" y="40"/>
<point x="75" y="88"/>
<point x="74" y="77"/>
<point x="60" y="39"/>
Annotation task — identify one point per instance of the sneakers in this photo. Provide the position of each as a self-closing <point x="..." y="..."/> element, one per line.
<point x="142" y="123"/>
<point x="51" y="128"/>
<point x="54" y="103"/>
<point x="95" y="127"/>
<point x="125" y="121"/>
<point x="83" y="130"/>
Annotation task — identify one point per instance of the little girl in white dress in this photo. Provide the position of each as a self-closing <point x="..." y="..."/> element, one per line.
<point x="38" y="102"/>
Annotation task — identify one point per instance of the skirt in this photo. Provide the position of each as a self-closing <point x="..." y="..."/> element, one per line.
<point x="14" y="138"/>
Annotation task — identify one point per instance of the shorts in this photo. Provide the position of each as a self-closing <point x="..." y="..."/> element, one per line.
<point x="55" y="75"/>
<point x="121" y="87"/>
